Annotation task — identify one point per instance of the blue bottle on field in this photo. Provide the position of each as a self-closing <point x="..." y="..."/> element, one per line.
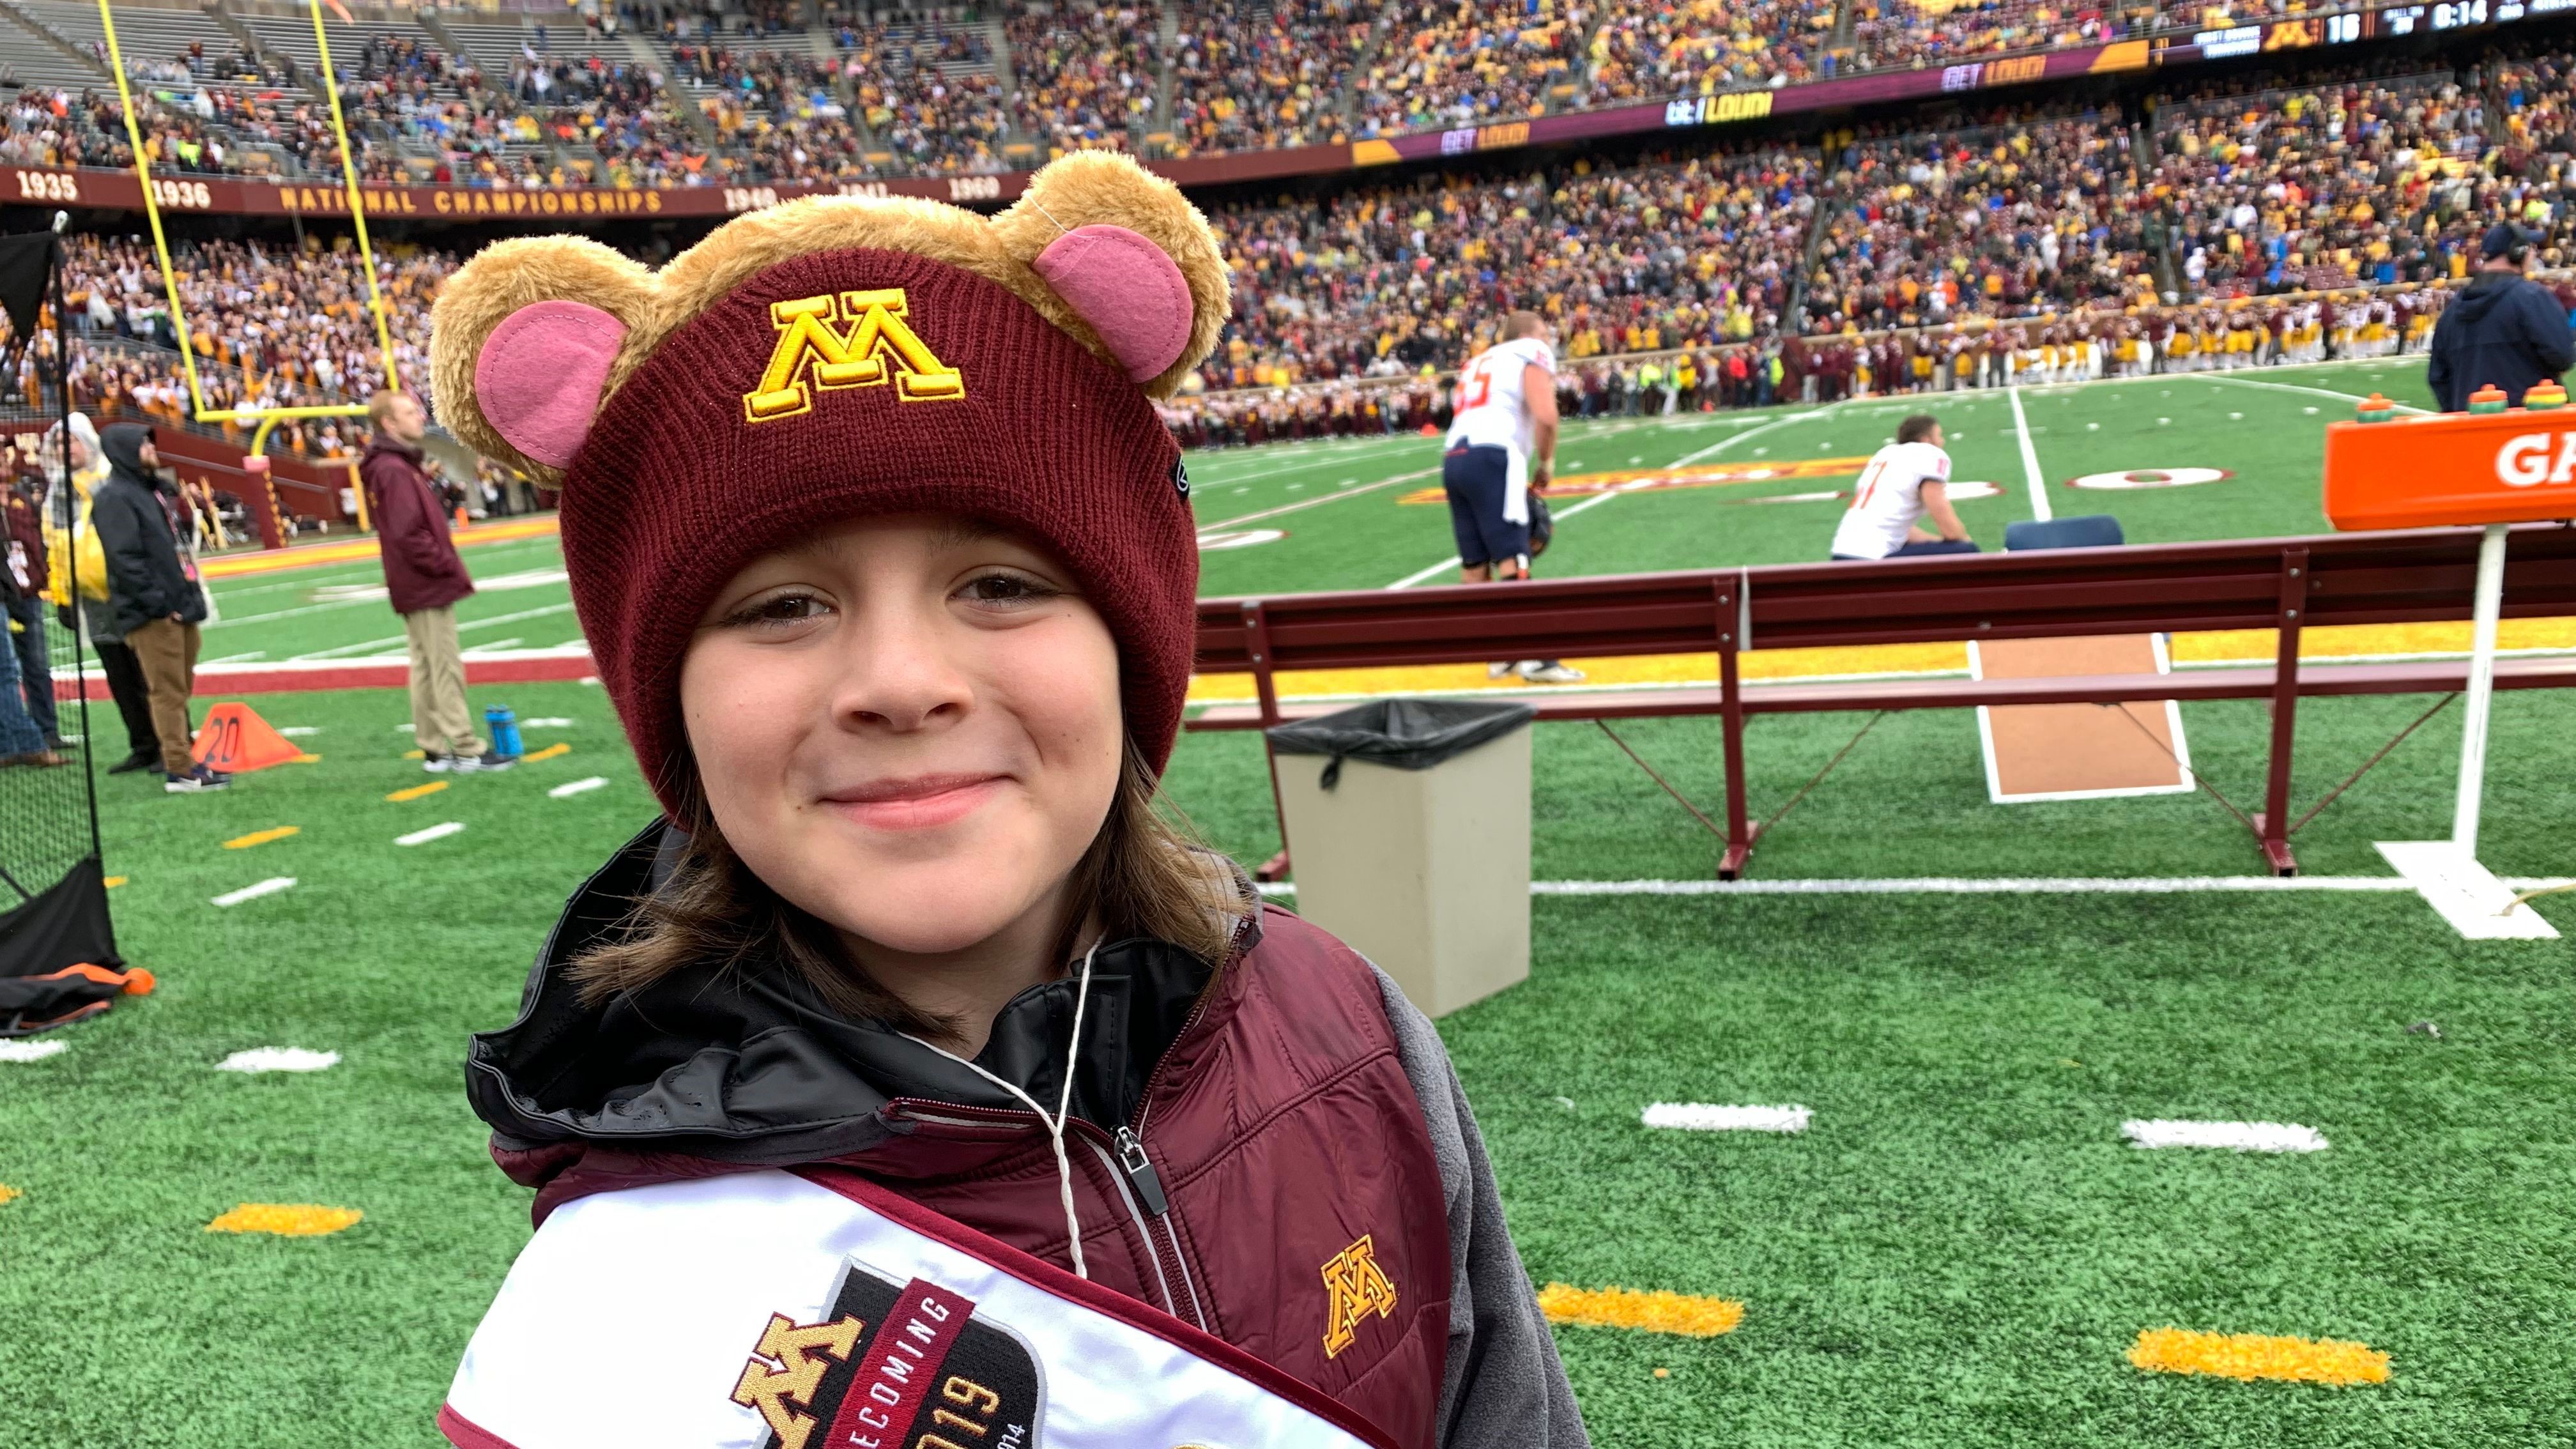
<point x="503" y="726"/>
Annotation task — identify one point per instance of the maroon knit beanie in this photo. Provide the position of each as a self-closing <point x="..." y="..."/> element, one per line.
<point x="804" y="384"/>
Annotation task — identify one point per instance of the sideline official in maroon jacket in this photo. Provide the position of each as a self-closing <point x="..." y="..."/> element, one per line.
<point x="423" y="579"/>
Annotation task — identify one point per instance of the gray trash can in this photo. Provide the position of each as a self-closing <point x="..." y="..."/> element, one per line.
<point x="1409" y="834"/>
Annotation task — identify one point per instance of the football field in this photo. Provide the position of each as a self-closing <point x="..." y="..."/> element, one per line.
<point x="1958" y="1245"/>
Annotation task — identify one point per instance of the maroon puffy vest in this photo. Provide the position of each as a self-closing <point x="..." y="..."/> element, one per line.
<point x="1303" y="1218"/>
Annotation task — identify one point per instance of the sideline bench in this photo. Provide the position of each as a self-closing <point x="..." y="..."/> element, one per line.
<point x="2419" y="576"/>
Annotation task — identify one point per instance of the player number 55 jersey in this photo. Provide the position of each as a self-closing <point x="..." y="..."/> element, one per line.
<point x="1490" y="411"/>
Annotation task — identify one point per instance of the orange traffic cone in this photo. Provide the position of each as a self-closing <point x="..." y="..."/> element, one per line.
<point x="234" y="739"/>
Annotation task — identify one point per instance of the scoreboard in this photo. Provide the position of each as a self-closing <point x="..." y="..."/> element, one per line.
<point x="2343" y="27"/>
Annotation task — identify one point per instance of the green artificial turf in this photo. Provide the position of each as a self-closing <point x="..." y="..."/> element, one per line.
<point x="1957" y="1253"/>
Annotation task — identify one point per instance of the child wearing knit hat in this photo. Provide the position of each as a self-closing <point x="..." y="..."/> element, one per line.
<point x="913" y="1082"/>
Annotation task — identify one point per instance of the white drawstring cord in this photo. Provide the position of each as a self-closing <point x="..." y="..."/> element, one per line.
<point x="1063" y="1111"/>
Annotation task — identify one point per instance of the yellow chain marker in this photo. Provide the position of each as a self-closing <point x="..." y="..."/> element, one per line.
<point x="2252" y="1356"/>
<point x="1653" y="1311"/>
<point x="548" y="753"/>
<point x="417" y="791"/>
<point x="262" y="837"/>
<point x="286" y="1220"/>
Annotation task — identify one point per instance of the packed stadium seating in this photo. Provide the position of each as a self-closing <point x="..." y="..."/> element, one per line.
<point x="770" y="92"/>
<point x="2245" y="185"/>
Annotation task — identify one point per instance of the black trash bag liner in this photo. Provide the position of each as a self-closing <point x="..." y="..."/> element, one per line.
<point x="1408" y="734"/>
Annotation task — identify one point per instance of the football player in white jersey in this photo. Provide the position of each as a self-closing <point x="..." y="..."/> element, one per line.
<point x="1501" y="448"/>
<point x="1905" y="481"/>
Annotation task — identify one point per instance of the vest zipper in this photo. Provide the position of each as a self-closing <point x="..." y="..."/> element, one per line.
<point x="1137" y="1169"/>
<point x="1140" y="1187"/>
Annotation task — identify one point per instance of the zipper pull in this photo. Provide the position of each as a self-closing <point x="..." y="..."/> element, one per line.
<point x="1142" y="1179"/>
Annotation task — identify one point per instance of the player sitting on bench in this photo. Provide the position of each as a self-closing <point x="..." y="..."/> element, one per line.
<point x="1904" y="481"/>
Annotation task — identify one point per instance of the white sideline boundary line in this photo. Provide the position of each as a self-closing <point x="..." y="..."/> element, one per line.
<point x="2229" y="376"/>
<point x="2029" y="458"/>
<point x="2077" y="885"/>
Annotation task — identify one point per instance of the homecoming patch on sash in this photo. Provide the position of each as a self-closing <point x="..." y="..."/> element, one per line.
<point x="772" y="1310"/>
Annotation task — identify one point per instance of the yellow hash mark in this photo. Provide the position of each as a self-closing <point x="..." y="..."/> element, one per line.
<point x="306" y="759"/>
<point x="262" y="837"/>
<point x="1653" y="1311"/>
<point x="8" y="1193"/>
<point x="549" y="752"/>
<point x="416" y="791"/>
<point x="2255" y="1356"/>
<point x="415" y="754"/>
<point x="114" y="881"/>
<point x="286" y="1220"/>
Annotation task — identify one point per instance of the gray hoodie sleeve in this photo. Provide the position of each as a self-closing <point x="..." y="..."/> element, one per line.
<point x="1505" y="1385"/>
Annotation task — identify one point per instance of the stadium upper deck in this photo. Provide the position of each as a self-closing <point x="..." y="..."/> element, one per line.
<point x="643" y="95"/>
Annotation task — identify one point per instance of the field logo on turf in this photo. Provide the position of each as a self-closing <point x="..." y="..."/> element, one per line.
<point x="2138" y="478"/>
<point x="876" y="345"/>
<point x="1354" y="1287"/>
<point x="894" y="1363"/>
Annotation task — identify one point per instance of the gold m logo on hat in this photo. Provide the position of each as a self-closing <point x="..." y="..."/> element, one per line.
<point x="870" y="344"/>
<point x="1354" y="1287"/>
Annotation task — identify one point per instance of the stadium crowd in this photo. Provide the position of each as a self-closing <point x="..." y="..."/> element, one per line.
<point x="1760" y="265"/>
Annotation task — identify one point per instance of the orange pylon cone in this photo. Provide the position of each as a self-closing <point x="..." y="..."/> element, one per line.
<point x="234" y="739"/>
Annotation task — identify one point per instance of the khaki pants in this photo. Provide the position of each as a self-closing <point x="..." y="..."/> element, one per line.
<point x="168" y="654"/>
<point x="439" y="720"/>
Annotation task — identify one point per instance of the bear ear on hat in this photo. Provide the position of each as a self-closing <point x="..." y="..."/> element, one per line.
<point x="528" y="340"/>
<point x="1128" y="254"/>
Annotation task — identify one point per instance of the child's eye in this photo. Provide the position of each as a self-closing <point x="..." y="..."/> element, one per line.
<point x="1005" y="589"/>
<point x="778" y="610"/>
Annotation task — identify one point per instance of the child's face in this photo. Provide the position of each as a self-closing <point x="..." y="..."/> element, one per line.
<point x="909" y="728"/>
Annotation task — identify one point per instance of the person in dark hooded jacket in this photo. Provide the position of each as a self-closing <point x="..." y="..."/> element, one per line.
<point x="2503" y="329"/>
<point x="154" y="601"/>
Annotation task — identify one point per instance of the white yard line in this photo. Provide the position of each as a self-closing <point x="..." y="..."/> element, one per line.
<point x="1318" y="502"/>
<point x="268" y="887"/>
<point x="2029" y="459"/>
<point x="577" y="787"/>
<point x="435" y="832"/>
<point x="30" y="1051"/>
<point x="2081" y="885"/>
<point x="1705" y="1117"/>
<point x="539" y="613"/>
<point x="2231" y="1136"/>
<point x="345" y="649"/>
<point x="278" y="1059"/>
<point x="2294" y="387"/>
<point x="1451" y="562"/>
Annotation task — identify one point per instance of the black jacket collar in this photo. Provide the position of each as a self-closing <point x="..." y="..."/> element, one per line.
<point x="749" y="1066"/>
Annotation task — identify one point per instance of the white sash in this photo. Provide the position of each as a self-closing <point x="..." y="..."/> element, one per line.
<point x="761" y="1308"/>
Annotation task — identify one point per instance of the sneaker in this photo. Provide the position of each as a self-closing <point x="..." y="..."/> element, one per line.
<point x="470" y="764"/>
<point x="1501" y="671"/>
<point x="437" y="764"/>
<point x="132" y="763"/>
<point x="1548" y="671"/>
<point x="198" y="778"/>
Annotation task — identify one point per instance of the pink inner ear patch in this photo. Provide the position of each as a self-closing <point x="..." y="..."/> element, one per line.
<point x="539" y="375"/>
<point x="1129" y="290"/>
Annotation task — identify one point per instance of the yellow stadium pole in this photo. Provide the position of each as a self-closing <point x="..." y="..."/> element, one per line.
<point x="357" y="203"/>
<point x="152" y="212"/>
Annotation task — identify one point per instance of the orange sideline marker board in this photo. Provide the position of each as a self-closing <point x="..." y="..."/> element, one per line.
<point x="2516" y="466"/>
